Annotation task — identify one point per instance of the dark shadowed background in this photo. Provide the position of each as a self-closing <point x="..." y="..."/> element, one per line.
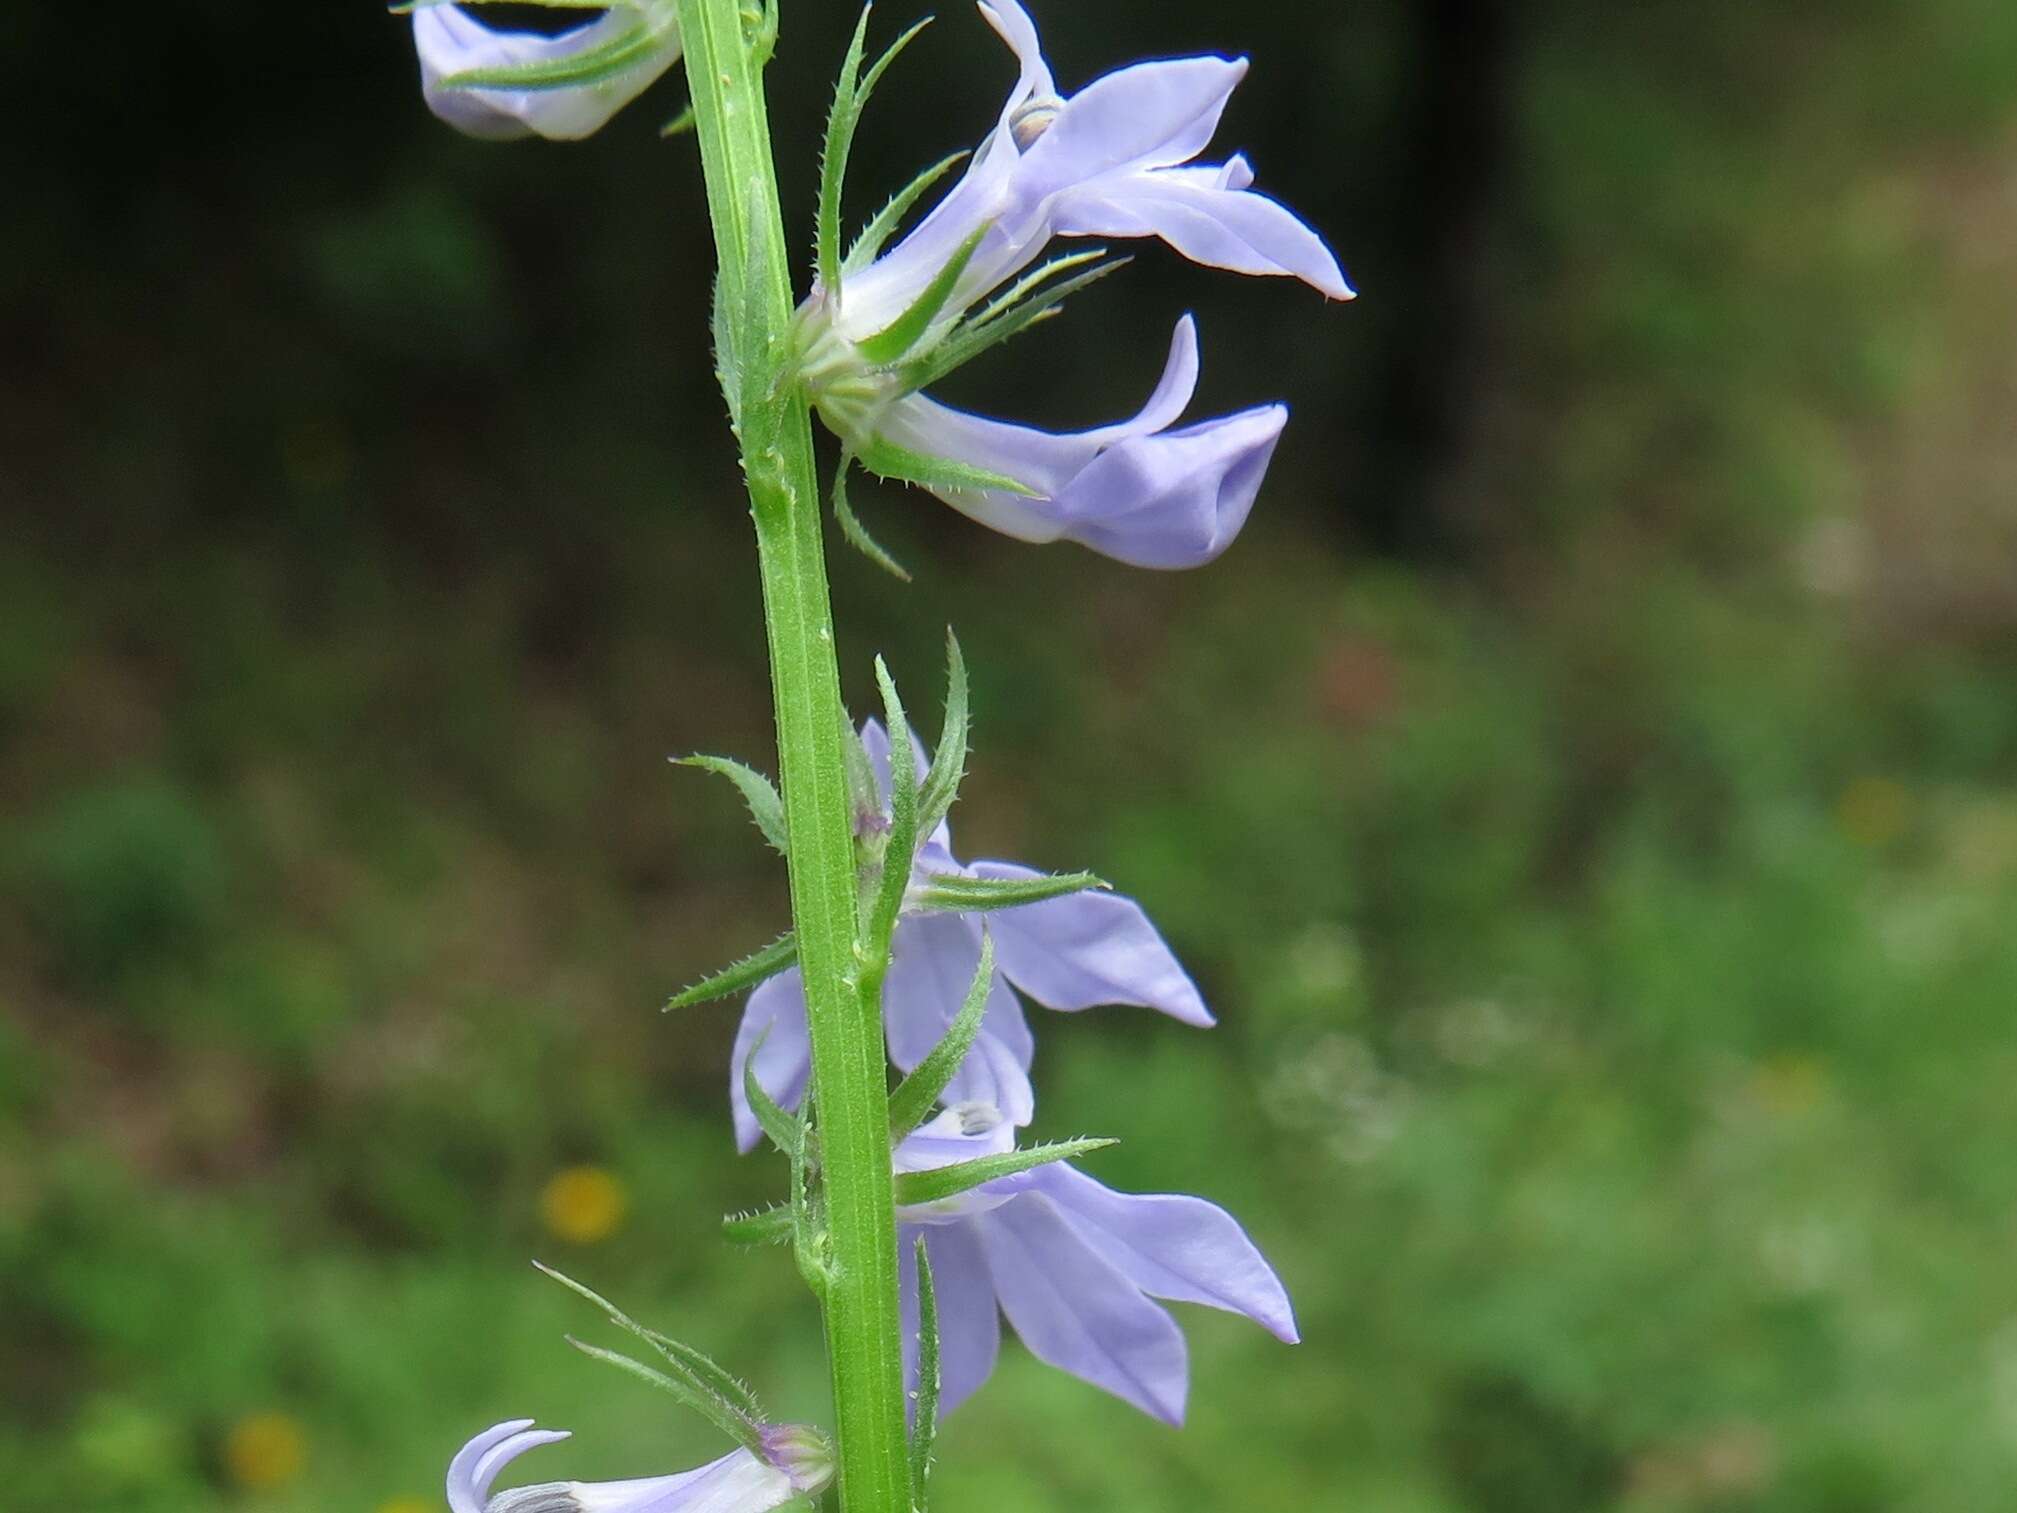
<point x="1585" y="792"/>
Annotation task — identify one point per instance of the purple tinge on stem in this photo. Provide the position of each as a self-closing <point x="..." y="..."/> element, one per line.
<point x="1070" y="953"/>
<point x="451" y="40"/>
<point x="740" y="1482"/>
<point x="1075" y="1266"/>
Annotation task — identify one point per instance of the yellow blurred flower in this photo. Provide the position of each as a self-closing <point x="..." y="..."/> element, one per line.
<point x="409" y="1505"/>
<point x="263" y="1451"/>
<point x="1789" y="1086"/>
<point x="1873" y="811"/>
<point x="583" y="1205"/>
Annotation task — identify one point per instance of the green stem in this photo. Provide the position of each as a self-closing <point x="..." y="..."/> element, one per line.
<point x="849" y="1077"/>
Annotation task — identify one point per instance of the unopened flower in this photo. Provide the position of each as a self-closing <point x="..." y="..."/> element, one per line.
<point x="451" y="40"/>
<point x="1074" y="1265"/>
<point x="740" y="1482"/>
<point x="1070" y="953"/>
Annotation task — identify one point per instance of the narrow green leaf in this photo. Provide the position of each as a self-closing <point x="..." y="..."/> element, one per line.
<point x="915" y="1189"/>
<point x="786" y="1131"/>
<point x="949" y="893"/>
<point x="886" y="459"/>
<point x="854" y="531"/>
<point x="772" y="1226"/>
<point x="766" y="808"/>
<point x="912" y="1102"/>
<point x="679" y="125"/>
<point x="735" y="1425"/>
<point x="841" y="118"/>
<point x="864" y="794"/>
<point x="926" y="1430"/>
<point x="990" y="330"/>
<point x="908" y="329"/>
<point x="878" y="231"/>
<point x="902" y="845"/>
<point x="622" y="52"/>
<point x="757" y="967"/>
<point x="948" y="763"/>
<point x="703" y="1368"/>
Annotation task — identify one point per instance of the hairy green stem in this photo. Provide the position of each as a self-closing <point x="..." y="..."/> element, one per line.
<point x="849" y="1079"/>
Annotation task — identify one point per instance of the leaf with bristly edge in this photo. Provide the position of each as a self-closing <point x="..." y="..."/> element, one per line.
<point x="916" y="1189"/>
<point x="926" y="1428"/>
<point x="766" y="807"/>
<point x="703" y="1368"/>
<point x="902" y="843"/>
<point x="878" y="231"/>
<point x="785" y="1131"/>
<point x="854" y="531"/>
<point x="850" y="96"/>
<point x="907" y="330"/>
<point x="737" y="1426"/>
<point x="917" y="1094"/>
<point x="757" y="967"/>
<point x="593" y="66"/>
<point x="948" y="763"/>
<point x="792" y="1134"/>
<point x="950" y="893"/>
<point x="770" y="1226"/>
<point x="886" y="459"/>
<point x="1007" y="317"/>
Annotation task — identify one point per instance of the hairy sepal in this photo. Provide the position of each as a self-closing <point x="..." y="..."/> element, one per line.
<point x="916" y="1189"/>
<point x="622" y="52"/>
<point x="756" y="968"/>
<point x="854" y="532"/>
<point x="766" y="806"/>
<point x="895" y="340"/>
<point x="926" y="1428"/>
<point x="948" y="763"/>
<point x="952" y="893"/>
<point x="915" y="1097"/>
<point x="850" y="96"/>
<point x="706" y="1374"/>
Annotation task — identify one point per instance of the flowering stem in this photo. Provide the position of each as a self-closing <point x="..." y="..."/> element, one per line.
<point x="849" y="1080"/>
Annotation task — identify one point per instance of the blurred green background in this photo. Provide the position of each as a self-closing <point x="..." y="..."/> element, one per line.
<point x="1586" y="792"/>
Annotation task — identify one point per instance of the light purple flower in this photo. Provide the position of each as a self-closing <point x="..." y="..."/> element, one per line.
<point x="740" y="1482"/>
<point x="1140" y="492"/>
<point x="1113" y="160"/>
<point x="1110" y="161"/>
<point x="1068" y="953"/>
<point x="1074" y="1265"/>
<point x="450" y="40"/>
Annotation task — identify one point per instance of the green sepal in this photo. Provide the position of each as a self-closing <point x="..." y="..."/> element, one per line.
<point x="949" y="893"/>
<point x="784" y="1130"/>
<point x="770" y="1226"/>
<point x="916" y="1189"/>
<point x="948" y="763"/>
<point x="912" y="1102"/>
<point x="865" y="247"/>
<point x="706" y="1371"/>
<point x="766" y="806"/>
<point x="886" y="459"/>
<point x="621" y="53"/>
<point x="927" y="1382"/>
<point x="679" y="125"/>
<point x="862" y="790"/>
<point x="908" y="329"/>
<point x="850" y="96"/>
<point x="757" y="967"/>
<point x="792" y="1134"/>
<point x="733" y="1424"/>
<point x="1009" y="316"/>
<point x="901" y="843"/>
<point x="854" y="531"/>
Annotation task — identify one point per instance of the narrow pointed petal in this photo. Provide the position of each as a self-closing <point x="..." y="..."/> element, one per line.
<point x="1219" y="227"/>
<point x="1148" y="116"/>
<point x="477" y="1463"/>
<point x="969" y="1321"/>
<point x="775" y="1019"/>
<point x="1076" y="1312"/>
<point x="449" y="40"/>
<point x="1173" y="1246"/>
<point x="1013" y="25"/>
<point x="1090" y="949"/>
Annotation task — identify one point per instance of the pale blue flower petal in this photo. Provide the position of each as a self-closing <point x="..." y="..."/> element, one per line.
<point x="1075" y="1311"/>
<point x="1088" y="949"/>
<point x="1173" y="1246"/>
<point x="968" y="1320"/>
<point x="1219" y="227"/>
<point x="933" y="961"/>
<point x="450" y="40"/>
<point x="1151" y="115"/>
<point x="774" y="1018"/>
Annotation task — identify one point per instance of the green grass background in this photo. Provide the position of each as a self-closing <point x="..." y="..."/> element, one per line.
<point x="1613" y="919"/>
